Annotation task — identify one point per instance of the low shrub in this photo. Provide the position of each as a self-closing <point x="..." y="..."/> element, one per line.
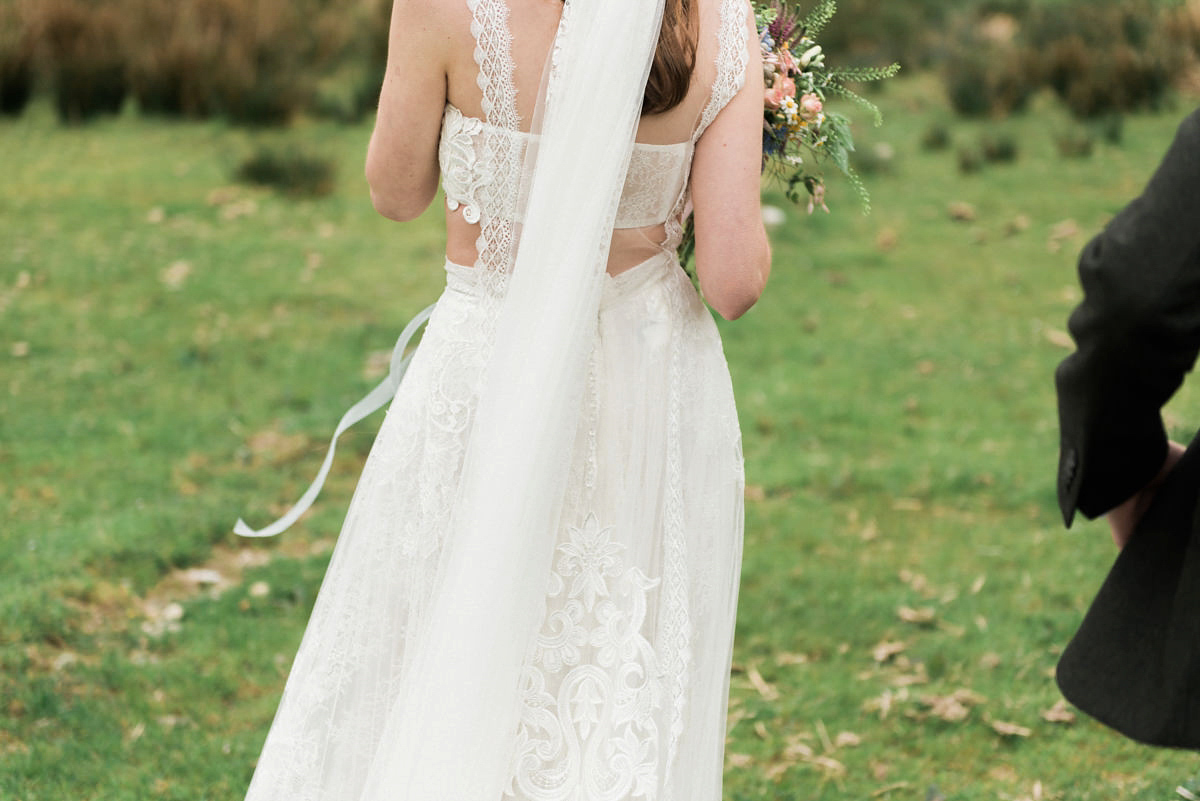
<point x="1076" y="142"/>
<point x="937" y="137"/>
<point x="81" y="42"/>
<point x="970" y="160"/>
<point x="998" y="148"/>
<point x="289" y="170"/>
<point x="16" y="59"/>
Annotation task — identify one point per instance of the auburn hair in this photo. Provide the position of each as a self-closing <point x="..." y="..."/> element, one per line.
<point x="674" y="59"/>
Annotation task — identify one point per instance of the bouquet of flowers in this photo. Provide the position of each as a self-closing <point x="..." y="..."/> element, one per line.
<point x="799" y="134"/>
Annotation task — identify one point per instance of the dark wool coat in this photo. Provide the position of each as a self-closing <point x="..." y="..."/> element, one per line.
<point x="1135" y="662"/>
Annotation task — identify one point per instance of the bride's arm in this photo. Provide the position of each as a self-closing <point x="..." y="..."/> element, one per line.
<point x="402" y="165"/>
<point x="733" y="257"/>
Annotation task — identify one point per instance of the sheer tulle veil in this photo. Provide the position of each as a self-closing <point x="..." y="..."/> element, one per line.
<point x="452" y="738"/>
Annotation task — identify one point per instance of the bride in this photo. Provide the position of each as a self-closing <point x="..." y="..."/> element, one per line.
<point x="533" y="594"/>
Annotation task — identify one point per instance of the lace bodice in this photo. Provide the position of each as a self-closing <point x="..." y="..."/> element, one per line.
<point x="657" y="174"/>
<point x="481" y="160"/>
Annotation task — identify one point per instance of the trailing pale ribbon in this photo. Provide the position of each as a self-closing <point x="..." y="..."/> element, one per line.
<point x="373" y="401"/>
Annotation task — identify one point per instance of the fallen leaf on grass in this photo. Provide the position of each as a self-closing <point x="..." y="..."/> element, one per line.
<point x="1059" y="713"/>
<point x="175" y="275"/>
<point x="870" y="531"/>
<point x="884" y="702"/>
<point x="739" y="760"/>
<point x="1036" y="793"/>
<point x="917" y="582"/>
<point x="847" y="739"/>
<point x="275" y="446"/>
<point x="829" y="766"/>
<point x="797" y="750"/>
<point x="921" y="617"/>
<point x="1005" y="729"/>
<point x="953" y="708"/>
<point x="919" y="676"/>
<point x="760" y="729"/>
<point x="990" y="661"/>
<point x="783" y="660"/>
<point x="1003" y="773"/>
<point x="1059" y="338"/>
<point x="961" y="212"/>
<point x="887" y="649"/>
<point x="765" y="689"/>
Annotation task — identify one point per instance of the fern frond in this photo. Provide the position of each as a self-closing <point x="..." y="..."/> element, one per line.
<point x="863" y="74"/>
<point x="819" y="17"/>
<point x="842" y="91"/>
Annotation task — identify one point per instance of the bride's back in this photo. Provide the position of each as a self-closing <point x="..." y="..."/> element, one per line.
<point x="434" y="75"/>
<point x="533" y="25"/>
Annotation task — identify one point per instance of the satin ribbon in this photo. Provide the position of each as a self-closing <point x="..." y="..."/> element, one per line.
<point x="373" y="401"/>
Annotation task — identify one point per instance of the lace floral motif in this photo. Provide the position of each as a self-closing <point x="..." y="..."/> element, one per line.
<point x="462" y="174"/>
<point x="595" y="739"/>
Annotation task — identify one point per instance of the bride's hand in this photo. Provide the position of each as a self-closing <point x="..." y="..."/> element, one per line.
<point x="1124" y="518"/>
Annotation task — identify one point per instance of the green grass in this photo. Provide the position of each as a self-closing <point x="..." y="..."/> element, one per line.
<point x="896" y="401"/>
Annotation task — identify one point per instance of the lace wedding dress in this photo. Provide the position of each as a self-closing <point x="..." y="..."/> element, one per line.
<point x="623" y="694"/>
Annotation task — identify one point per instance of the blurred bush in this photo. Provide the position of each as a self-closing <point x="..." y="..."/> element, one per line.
<point x="289" y="170"/>
<point x="1100" y="57"/>
<point x="999" y="148"/>
<point x="937" y="137"/>
<point x="256" y="62"/>
<point x="1076" y="142"/>
<point x="253" y="61"/>
<point x="1107" y="57"/>
<point x="81" y="44"/>
<point x="16" y="59"/>
<point x="262" y="62"/>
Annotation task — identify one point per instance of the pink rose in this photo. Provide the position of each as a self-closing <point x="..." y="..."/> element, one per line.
<point x="810" y="107"/>
<point x="783" y="87"/>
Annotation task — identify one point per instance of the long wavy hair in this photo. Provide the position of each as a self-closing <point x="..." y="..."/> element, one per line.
<point x="674" y="60"/>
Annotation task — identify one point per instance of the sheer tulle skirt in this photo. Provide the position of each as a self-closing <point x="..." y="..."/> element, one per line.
<point x="624" y="692"/>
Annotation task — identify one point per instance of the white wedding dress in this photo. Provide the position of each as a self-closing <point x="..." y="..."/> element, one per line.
<point x="624" y="692"/>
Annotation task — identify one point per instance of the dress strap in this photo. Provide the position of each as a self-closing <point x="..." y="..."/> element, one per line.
<point x="375" y="399"/>
<point x="732" y="58"/>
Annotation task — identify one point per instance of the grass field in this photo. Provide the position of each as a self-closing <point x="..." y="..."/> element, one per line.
<point x="174" y="350"/>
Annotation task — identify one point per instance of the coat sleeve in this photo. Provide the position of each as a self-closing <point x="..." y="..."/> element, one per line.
<point x="1138" y="334"/>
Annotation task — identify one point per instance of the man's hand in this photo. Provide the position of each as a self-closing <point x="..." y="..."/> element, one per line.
<point x="1124" y="518"/>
